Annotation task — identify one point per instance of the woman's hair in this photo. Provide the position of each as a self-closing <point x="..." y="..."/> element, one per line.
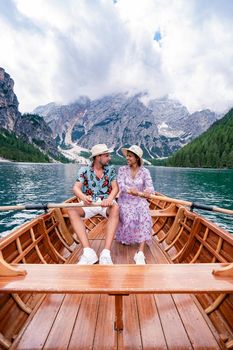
<point x="138" y="159"/>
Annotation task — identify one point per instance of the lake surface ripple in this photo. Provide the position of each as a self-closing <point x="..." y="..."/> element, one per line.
<point x="22" y="183"/>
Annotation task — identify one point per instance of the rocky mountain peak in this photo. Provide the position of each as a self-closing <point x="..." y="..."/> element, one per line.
<point x="159" y="126"/>
<point x="32" y="128"/>
<point x="166" y="110"/>
<point x="8" y="101"/>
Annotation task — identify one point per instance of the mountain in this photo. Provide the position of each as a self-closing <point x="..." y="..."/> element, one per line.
<point x="8" y="102"/>
<point x="61" y="119"/>
<point x="174" y="120"/>
<point x="160" y="126"/>
<point x="30" y="128"/>
<point x="212" y="149"/>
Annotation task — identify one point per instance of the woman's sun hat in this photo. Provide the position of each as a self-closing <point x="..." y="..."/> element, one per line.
<point x="134" y="149"/>
<point x="99" y="149"/>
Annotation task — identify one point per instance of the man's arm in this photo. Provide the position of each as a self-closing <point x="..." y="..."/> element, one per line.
<point x="77" y="188"/>
<point x="115" y="189"/>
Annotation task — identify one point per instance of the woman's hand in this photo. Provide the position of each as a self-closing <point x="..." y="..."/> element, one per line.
<point x="146" y="194"/>
<point x="133" y="191"/>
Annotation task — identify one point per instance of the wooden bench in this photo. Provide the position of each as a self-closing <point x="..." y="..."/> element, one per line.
<point x="119" y="280"/>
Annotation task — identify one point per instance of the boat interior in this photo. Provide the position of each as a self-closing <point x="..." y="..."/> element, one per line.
<point x="150" y="321"/>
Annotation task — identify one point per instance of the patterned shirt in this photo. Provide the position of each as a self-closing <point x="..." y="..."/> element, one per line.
<point x="92" y="185"/>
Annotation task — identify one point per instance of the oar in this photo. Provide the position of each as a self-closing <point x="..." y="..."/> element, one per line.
<point x="192" y="205"/>
<point x="48" y="206"/>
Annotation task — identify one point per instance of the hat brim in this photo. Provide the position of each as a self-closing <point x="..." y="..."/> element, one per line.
<point x="99" y="153"/>
<point x="125" y="150"/>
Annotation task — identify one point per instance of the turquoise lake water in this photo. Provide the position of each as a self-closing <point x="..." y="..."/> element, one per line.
<point x="22" y="183"/>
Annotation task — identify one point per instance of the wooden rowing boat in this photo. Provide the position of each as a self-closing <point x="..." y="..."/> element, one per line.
<point x="174" y="302"/>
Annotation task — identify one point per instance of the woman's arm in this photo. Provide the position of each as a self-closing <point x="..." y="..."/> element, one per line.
<point x="148" y="184"/>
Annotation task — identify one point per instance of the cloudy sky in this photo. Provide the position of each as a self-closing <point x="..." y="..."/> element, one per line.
<point x="57" y="50"/>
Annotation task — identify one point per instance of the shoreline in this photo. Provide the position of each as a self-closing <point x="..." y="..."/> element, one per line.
<point x="3" y="160"/>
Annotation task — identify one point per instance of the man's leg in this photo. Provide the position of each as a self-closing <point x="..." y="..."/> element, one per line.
<point x="89" y="256"/>
<point x="76" y="215"/>
<point x="113" y="220"/>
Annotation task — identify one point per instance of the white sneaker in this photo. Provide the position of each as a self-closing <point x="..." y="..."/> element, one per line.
<point x="105" y="258"/>
<point x="89" y="257"/>
<point x="139" y="258"/>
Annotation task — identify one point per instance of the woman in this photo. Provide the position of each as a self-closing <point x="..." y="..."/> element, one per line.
<point x="135" y="221"/>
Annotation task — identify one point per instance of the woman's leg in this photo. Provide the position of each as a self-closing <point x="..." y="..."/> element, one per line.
<point x="141" y="247"/>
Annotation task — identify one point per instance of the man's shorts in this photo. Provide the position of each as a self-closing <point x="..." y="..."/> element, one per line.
<point x="92" y="211"/>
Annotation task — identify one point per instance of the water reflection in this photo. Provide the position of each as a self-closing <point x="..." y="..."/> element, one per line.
<point x="22" y="183"/>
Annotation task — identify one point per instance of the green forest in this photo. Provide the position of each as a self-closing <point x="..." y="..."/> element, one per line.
<point x="16" y="149"/>
<point x="213" y="149"/>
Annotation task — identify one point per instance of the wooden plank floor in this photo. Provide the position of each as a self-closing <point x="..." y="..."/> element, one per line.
<point x="150" y="321"/>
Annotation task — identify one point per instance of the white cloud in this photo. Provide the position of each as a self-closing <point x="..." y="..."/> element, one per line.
<point x="58" y="50"/>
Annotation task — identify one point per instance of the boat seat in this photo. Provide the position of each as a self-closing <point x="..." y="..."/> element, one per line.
<point x="118" y="280"/>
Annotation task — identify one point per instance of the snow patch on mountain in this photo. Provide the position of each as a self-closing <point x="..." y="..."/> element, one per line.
<point x="165" y="130"/>
<point x="73" y="153"/>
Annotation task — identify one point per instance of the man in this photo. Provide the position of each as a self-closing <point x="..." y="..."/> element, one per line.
<point x="96" y="182"/>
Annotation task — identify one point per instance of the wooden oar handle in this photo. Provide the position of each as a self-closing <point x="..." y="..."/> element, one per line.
<point x="164" y="198"/>
<point x="12" y="207"/>
<point x="49" y="206"/>
<point x="192" y="205"/>
<point x="223" y="210"/>
<point x="74" y="205"/>
<point x="172" y="200"/>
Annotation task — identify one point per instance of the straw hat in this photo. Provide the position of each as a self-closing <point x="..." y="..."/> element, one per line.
<point x="99" y="149"/>
<point x="135" y="149"/>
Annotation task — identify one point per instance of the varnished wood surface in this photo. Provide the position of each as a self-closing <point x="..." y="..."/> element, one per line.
<point x="87" y="321"/>
<point x="151" y="321"/>
<point x="118" y="279"/>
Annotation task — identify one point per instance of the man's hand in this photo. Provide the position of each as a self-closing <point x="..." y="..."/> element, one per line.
<point x="106" y="202"/>
<point x="87" y="199"/>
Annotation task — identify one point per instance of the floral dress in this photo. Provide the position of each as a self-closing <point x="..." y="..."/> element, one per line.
<point x="135" y="221"/>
